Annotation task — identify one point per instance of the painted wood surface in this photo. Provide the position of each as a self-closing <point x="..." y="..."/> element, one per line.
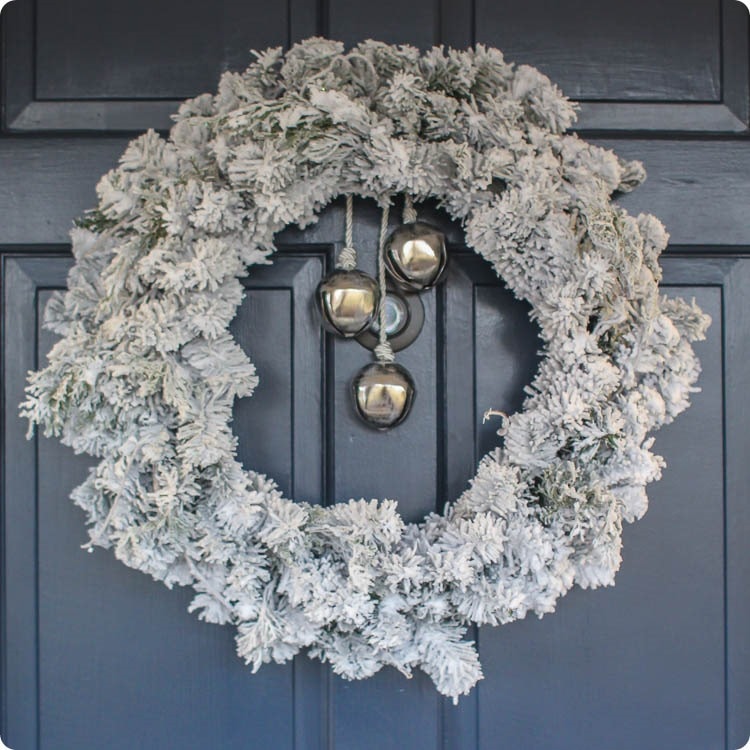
<point x="95" y="655"/>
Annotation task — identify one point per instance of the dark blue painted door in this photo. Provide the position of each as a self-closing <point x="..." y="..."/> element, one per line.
<point x="98" y="656"/>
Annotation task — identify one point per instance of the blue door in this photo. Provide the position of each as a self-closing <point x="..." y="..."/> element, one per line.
<point x="95" y="655"/>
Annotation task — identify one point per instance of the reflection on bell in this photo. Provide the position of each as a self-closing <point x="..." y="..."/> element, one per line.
<point x="383" y="394"/>
<point x="415" y="255"/>
<point x="348" y="302"/>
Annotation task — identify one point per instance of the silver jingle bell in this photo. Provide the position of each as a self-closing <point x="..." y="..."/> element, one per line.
<point x="383" y="394"/>
<point x="348" y="302"/>
<point x="416" y="256"/>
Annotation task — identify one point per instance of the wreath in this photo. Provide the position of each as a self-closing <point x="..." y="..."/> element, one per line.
<point x="145" y="373"/>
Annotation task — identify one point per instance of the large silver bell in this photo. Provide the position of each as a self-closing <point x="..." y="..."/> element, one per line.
<point x="383" y="394"/>
<point x="416" y="256"/>
<point x="348" y="302"/>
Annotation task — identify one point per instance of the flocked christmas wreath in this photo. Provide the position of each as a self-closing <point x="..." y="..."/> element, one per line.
<point x="145" y="373"/>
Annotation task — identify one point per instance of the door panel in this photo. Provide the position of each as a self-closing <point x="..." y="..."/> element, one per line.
<point x="608" y="677"/>
<point x="400" y="463"/>
<point x="172" y="681"/>
<point x="634" y="61"/>
<point x="676" y="65"/>
<point x="215" y="38"/>
<point x="620" y="61"/>
<point x="278" y="328"/>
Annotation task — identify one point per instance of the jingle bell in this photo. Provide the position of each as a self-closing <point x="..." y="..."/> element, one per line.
<point x="383" y="394"/>
<point x="416" y="256"/>
<point x="348" y="302"/>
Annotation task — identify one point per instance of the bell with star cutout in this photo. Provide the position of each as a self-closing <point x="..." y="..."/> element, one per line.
<point x="383" y="394"/>
<point x="348" y="302"/>
<point x="416" y="256"/>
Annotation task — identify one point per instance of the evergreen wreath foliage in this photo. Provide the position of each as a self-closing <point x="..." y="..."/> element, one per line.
<point x="145" y="372"/>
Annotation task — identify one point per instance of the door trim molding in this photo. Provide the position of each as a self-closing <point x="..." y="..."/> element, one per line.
<point x="22" y="279"/>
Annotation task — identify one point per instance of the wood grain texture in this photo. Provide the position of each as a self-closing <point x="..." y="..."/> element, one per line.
<point x="147" y="50"/>
<point x="612" y="51"/>
<point x="391" y="21"/>
<point x="697" y="188"/>
<point x="673" y="66"/>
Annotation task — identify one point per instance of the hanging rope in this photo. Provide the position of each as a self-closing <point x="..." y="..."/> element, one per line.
<point x="383" y="350"/>
<point x="348" y="255"/>
<point x="409" y="215"/>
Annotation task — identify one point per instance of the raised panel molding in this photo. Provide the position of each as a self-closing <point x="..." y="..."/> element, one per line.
<point x="23" y="110"/>
<point x="728" y="115"/>
<point x="25" y="279"/>
<point x="718" y="106"/>
<point x="642" y="67"/>
<point x="731" y="274"/>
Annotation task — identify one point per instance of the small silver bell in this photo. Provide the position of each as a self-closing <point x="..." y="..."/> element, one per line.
<point x="383" y="394"/>
<point x="348" y="302"/>
<point x="416" y="256"/>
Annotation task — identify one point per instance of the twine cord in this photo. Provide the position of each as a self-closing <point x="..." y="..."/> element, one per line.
<point x="348" y="255"/>
<point x="409" y="214"/>
<point x="383" y="351"/>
